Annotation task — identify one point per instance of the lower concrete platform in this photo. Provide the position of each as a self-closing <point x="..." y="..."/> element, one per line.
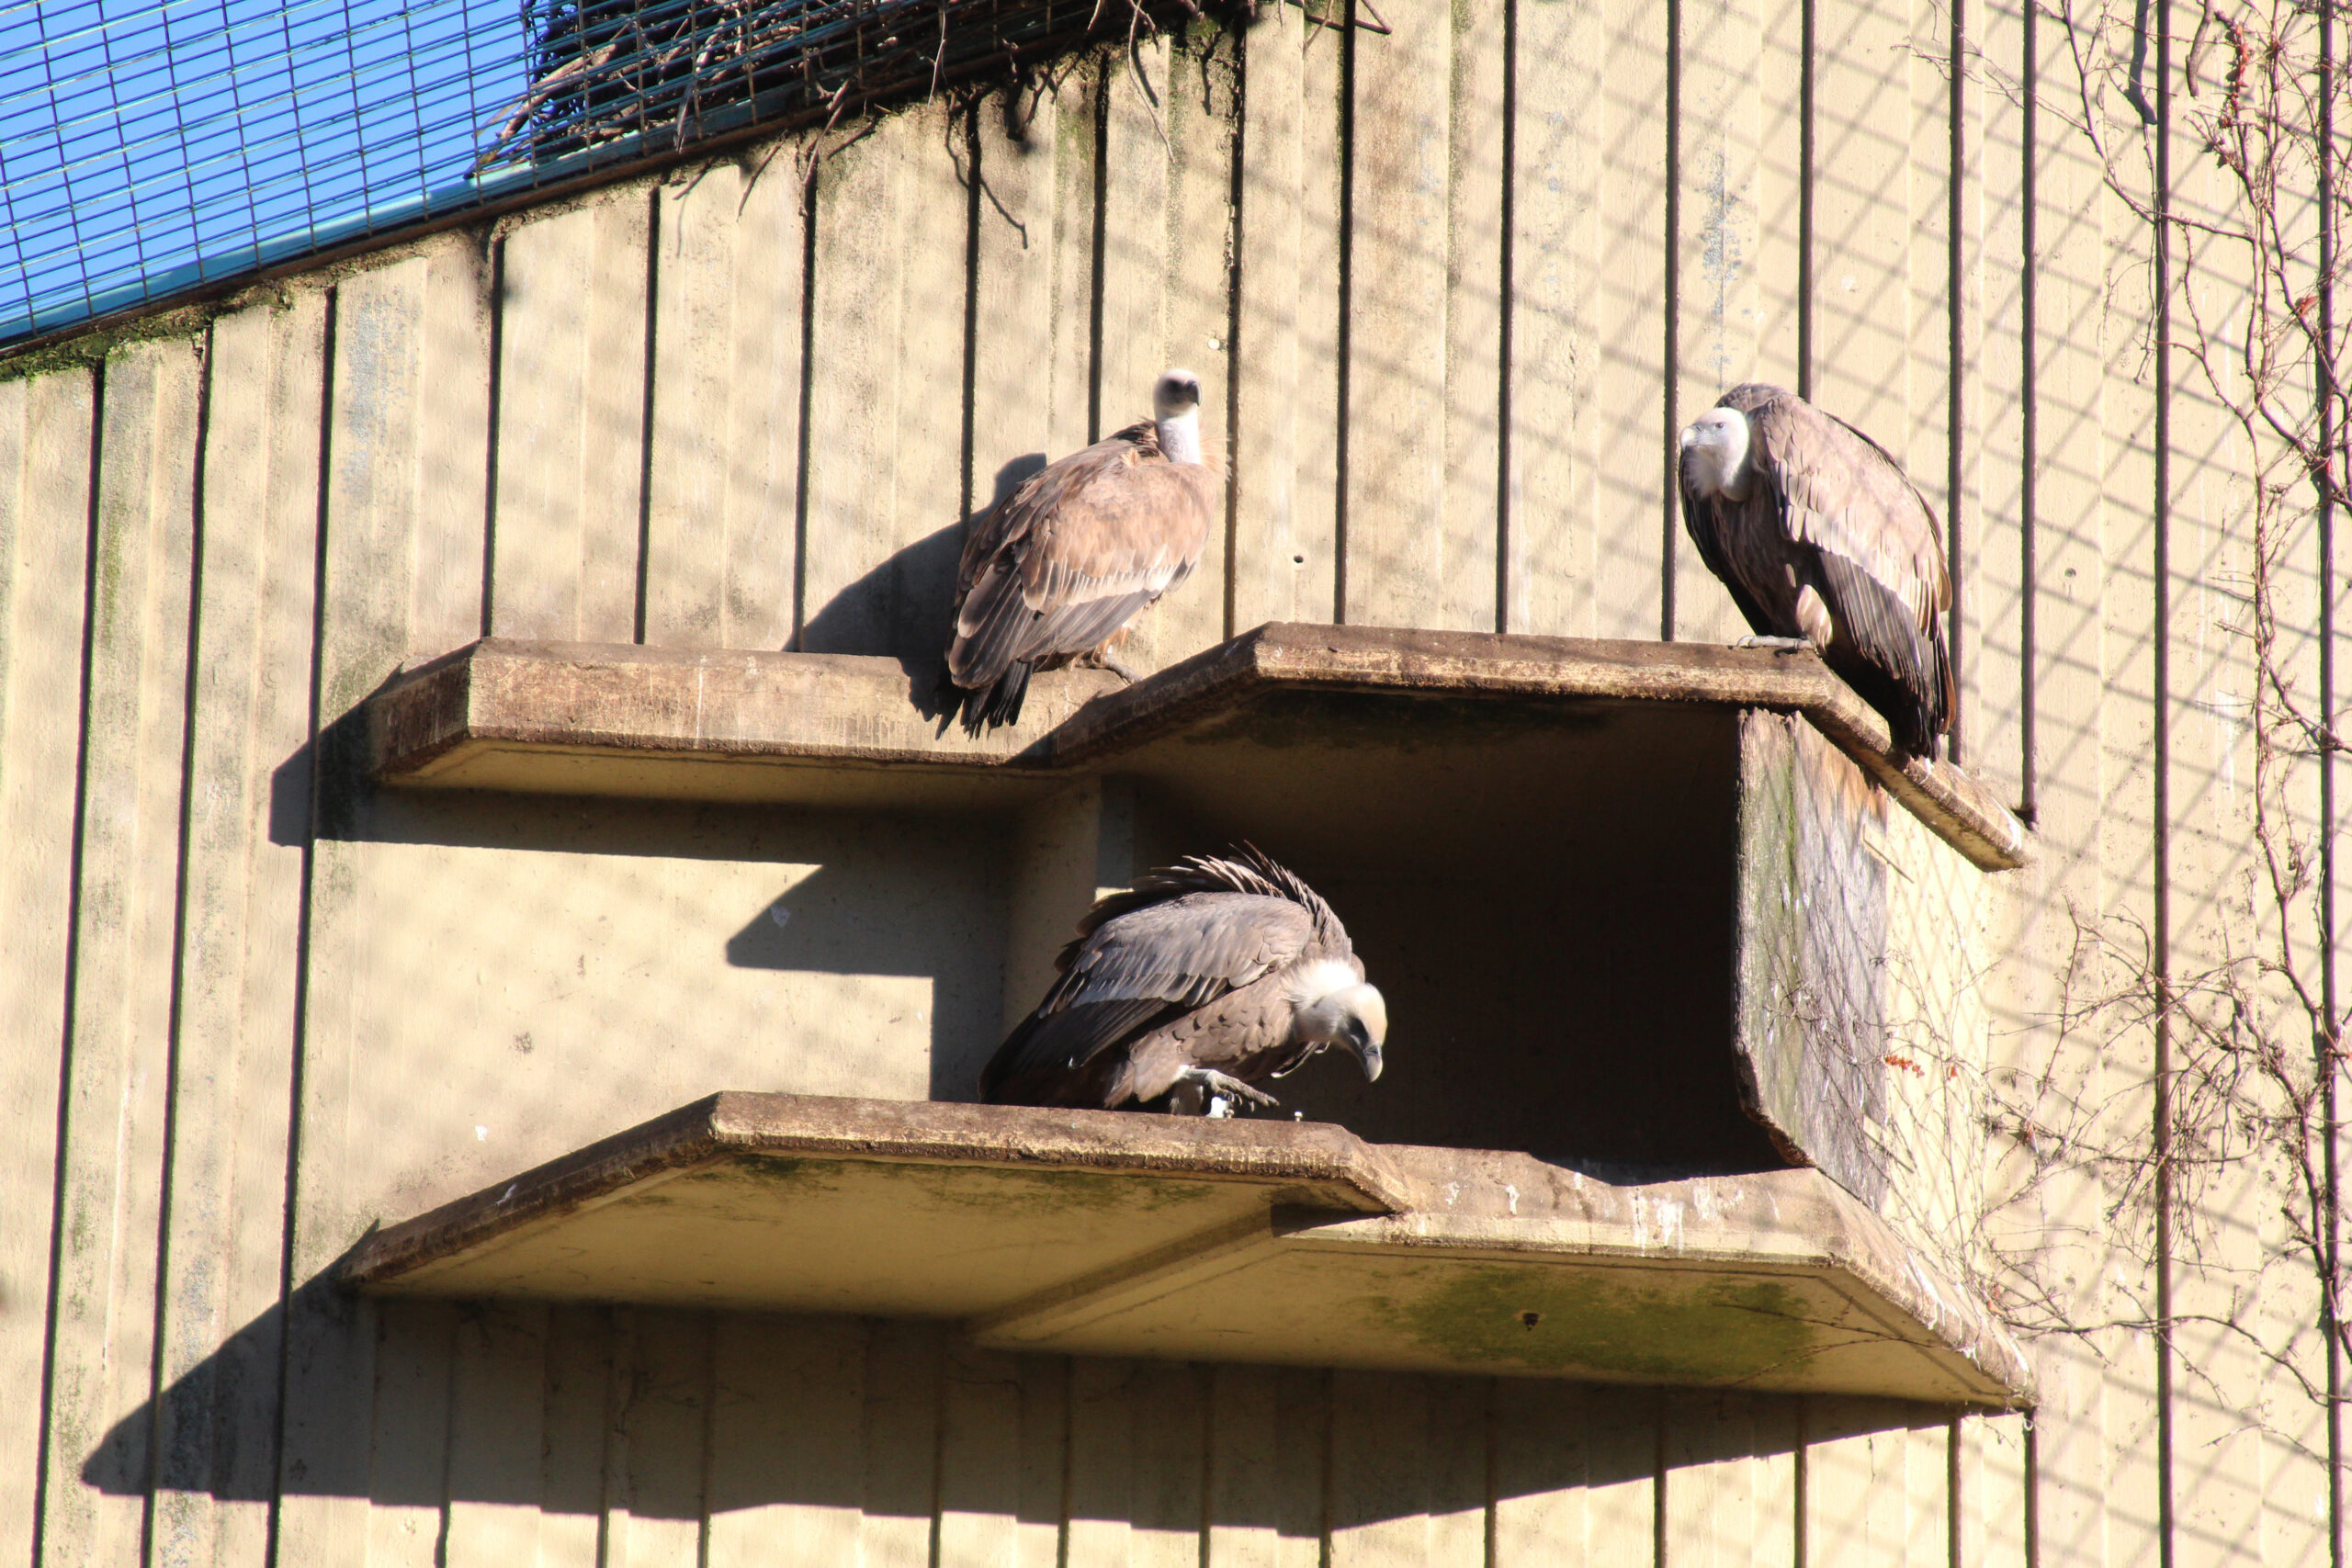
<point x="1104" y="1233"/>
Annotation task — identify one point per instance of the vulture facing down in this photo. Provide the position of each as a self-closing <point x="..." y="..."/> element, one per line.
<point x="1825" y="543"/>
<point x="1056" y="569"/>
<point x="1207" y="978"/>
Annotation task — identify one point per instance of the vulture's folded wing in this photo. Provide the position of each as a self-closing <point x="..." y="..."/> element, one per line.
<point x="1890" y="639"/>
<point x="1843" y="494"/>
<point x="1085" y="545"/>
<point x="1137" y="971"/>
<point x="1881" y="552"/>
<point x="992" y="617"/>
<point x="1706" y="521"/>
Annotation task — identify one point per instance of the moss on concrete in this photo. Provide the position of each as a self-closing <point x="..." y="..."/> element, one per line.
<point x="996" y="1189"/>
<point x="86" y="349"/>
<point x="1558" y="1322"/>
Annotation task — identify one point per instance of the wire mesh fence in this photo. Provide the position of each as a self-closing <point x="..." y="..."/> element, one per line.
<point x="146" y="149"/>
<point x="149" y="148"/>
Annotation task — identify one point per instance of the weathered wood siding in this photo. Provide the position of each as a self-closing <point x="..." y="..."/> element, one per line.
<point x="1450" y="290"/>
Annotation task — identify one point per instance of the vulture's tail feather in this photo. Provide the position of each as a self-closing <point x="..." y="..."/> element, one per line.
<point x="1000" y="702"/>
<point x="1069" y="1055"/>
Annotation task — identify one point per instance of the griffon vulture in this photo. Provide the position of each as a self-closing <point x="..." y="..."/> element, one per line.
<point x="1056" y="569"/>
<point x="1207" y="978"/>
<point x="1825" y="543"/>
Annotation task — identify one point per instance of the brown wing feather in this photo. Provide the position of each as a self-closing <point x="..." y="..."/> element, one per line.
<point x="1843" y="493"/>
<point x="1174" y="946"/>
<point x="1246" y="1032"/>
<point x="1074" y="553"/>
<point x="1877" y="549"/>
<point x="1135" y="974"/>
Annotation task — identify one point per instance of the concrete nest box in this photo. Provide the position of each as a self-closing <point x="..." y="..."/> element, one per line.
<point x="1680" y="957"/>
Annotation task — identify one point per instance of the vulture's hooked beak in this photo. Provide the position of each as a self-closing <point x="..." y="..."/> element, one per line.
<point x="1366" y="1049"/>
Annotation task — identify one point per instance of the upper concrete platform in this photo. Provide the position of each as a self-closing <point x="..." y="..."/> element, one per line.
<point x="830" y="729"/>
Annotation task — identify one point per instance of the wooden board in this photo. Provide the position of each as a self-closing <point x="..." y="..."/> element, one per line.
<point x="1412" y="559"/>
<point x="885" y="502"/>
<point x="723" y="482"/>
<point x="1717" y="254"/>
<point x="572" y="384"/>
<point x="116" y="1123"/>
<point x="46" y="427"/>
<point x="1282" y="550"/>
<point x="1634" y="523"/>
<point x="1553" y="482"/>
<point x="403" y="334"/>
<point x="218" y="1364"/>
<point x="1167" y="201"/>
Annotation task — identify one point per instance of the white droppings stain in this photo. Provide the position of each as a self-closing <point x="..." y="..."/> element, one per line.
<point x="508" y="1196"/>
<point x="1847" y="283"/>
<point x="780" y="915"/>
<point x="1453" y="1192"/>
<point x="481" y="1134"/>
<point x="1513" y="1193"/>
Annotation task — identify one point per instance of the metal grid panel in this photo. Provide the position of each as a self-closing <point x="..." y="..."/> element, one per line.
<point x="148" y="148"/>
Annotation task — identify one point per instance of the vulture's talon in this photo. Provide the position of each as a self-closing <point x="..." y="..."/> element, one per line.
<point x="1225" y="1086"/>
<point x="1120" y="671"/>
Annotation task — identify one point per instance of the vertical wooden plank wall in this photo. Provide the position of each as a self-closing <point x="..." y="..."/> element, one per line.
<point x="1450" y="289"/>
<point x="112" y="1159"/>
<point x="46" y="427"/>
<point x="223" y="1262"/>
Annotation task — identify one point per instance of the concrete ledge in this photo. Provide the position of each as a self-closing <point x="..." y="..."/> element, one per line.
<point x="1288" y="656"/>
<point x="1095" y="1233"/>
<point x="822" y="728"/>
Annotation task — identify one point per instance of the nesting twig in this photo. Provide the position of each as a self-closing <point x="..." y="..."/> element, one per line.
<point x="609" y="70"/>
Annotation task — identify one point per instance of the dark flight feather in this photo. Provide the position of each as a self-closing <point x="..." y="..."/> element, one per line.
<point x="1835" y="512"/>
<point x="1181" y="940"/>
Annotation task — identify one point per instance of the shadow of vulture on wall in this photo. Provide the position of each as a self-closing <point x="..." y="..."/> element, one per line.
<point x="1053" y="573"/>
<point x="1203" y="981"/>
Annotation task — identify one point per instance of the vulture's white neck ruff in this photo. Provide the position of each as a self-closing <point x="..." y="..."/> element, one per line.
<point x="1311" y="982"/>
<point x="1715" y="454"/>
<point x="1179" y="437"/>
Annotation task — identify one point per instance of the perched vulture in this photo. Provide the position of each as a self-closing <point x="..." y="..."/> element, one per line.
<point x="1056" y="569"/>
<point x="1825" y="543"/>
<point x="1207" y="978"/>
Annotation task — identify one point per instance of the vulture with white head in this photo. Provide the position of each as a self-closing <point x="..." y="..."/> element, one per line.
<point x="1206" y="979"/>
<point x="1056" y="570"/>
<point x="1825" y="543"/>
